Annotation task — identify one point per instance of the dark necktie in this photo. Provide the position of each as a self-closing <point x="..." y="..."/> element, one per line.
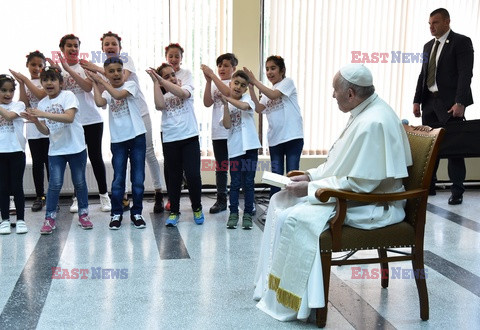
<point x="432" y="66"/>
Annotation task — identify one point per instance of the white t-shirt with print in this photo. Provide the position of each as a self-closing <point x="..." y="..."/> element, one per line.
<point x="242" y="136"/>
<point x="218" y="131"/>
<point x="178" y="119"/>
<point x="88" y="111"/>
<point x="11" y="131"/>
<point x="124" y="116"/>
<point x="65" y="138"/>
<point x="185" y="77"/>
<point x="130" y="66"/>
<point x="32" y="131"/>
<point x="283" y="114"/>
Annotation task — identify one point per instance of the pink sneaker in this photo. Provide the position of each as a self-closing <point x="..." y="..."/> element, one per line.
<point x="48" y="226"/>
<point x="84" y="222"/>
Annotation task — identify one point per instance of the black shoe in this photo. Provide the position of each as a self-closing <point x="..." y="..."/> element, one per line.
<point x="115" y="221"/>
<point x="432" y="192"/>
<point x="455" y="200"/>
<point x="38" y="204"/>
<point x="137" y="221"/>
<point x="220" y="205"/>
<point x="158" y="207"/>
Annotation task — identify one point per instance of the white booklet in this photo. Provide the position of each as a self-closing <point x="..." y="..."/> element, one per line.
<point x="274" y="179"/>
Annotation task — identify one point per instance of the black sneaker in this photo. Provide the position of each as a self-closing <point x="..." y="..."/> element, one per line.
<point x="158" y="206"/>
<point x="137" y="221"/>
<point x="115" y="221"/>
<point x="38" y="204"/>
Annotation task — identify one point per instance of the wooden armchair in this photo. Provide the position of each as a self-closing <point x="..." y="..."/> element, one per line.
<point x="424" y="144"/>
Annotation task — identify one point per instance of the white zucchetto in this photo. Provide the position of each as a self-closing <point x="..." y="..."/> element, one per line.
<point x="357" y="74"/>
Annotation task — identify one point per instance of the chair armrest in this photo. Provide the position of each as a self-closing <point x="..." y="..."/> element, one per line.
<point x="295" y="173"/>
<point x="336" y="223"/>
<point x="324" y="194"/>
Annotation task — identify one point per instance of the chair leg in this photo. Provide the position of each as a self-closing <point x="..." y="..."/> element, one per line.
<point x="419" y="270"/>
<point x="322" y="312"/>
<point x="382" y="253"/>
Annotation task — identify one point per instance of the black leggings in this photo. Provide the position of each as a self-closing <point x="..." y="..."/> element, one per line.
<point x="39" y="151"/>
<point x="12" y="167"/>
<point x="183" y="156"/>
<point x="93" y="139"/>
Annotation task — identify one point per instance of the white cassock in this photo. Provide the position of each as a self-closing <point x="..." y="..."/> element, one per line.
<point x="371" y="156"/>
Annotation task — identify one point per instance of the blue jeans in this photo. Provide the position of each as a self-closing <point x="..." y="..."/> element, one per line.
<point x="288" y="152"/>
<point x="57" y="164"/>
<point x="242" y="174"/>
<point x="135" y="150"/>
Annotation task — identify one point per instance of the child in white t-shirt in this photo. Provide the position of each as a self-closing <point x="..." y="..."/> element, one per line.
<point x="60" y="121"/>
<point x="243" y="144"/>
<point x="285" y="124"/>
<point x="226" y="65"/>
<point x="181" y="147"/>
<point x="31" y="92"/>
<point x="89" y="115"/>
<point x="127" y="135"/>
<point x="12" y="156"/>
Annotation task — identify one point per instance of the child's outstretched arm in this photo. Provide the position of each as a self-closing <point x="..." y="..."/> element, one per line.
<point x="25" y="82"/>
<point x="7" y="114"/>
<point x="67" y="117"/>
<point x="40" y="124"/>
<point x="116" y="94"/>
<point x="237" y="103"/>
<point x="97" y="93"/>
<point x="84" y="83"/>
<point x="227" y="120"/>
<point x="207" y="93"/>
<point x="171" y="87"/>
<point x="207" y="71"/>
<point x="157" y="91"/>
<point x="258" y="106"/>
<point x="272" y="94"/>
<point x="86" y="65"/>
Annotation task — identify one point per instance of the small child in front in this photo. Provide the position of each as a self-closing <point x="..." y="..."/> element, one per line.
<point x="243" y="144"/>
<point x="127" y="134"/>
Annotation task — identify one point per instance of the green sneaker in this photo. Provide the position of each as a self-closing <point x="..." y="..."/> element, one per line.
<point x="247" y="222"/>
<point x="232" y="221"/>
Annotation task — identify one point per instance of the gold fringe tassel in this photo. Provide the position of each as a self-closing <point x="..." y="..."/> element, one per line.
<point x="288" y="299"/>
<point x="273" y="282"/>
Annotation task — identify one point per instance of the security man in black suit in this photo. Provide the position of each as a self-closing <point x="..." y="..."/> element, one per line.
<point x="443" y="89"/>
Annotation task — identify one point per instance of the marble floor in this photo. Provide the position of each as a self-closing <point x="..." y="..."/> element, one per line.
<point x="201" y="277"/>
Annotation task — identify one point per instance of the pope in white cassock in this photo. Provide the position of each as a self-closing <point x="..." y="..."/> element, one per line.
<point x="370" y="156"/>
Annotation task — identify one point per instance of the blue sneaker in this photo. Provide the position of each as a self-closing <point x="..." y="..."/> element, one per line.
<point x="198" y="217"/>
<point x="172" y="220"/>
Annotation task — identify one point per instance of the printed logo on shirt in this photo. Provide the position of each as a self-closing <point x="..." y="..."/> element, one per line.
<point x="175" y="106"/>
<point x="274" y="105"/>
<point x="71" y="85"/>
<point x="32" y="99"/>
<point x="52" y="124"/>
<point x="236" y="117"/>
<point x="217" y="98"/>
<point x="6" y="126"/>
<point x="119" y="108"/>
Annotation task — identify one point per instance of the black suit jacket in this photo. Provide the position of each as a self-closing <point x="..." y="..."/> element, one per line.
<point x="454" y="74"/>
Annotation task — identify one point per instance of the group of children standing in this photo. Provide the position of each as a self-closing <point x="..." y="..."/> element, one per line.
<point x="63" y="122"/>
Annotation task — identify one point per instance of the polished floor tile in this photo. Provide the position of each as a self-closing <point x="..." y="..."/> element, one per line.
<point x="201" y="277"/>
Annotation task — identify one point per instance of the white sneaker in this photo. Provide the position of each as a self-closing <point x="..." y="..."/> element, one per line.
<point x="5" y="227"/>
<point x="74" y="207"/>
<point x="12" y="210"/>
<point x="105" y="205"/>
<point x="21" y="227"/>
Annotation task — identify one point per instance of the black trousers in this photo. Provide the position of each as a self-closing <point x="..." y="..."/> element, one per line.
<point x="93" y="139"/>
<point x="183" y="156"/>
<point x="456" y="166"/>
<point x="12" y="167"/>
<point x="220" y="150"/>
<point x="39" y="151"/>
